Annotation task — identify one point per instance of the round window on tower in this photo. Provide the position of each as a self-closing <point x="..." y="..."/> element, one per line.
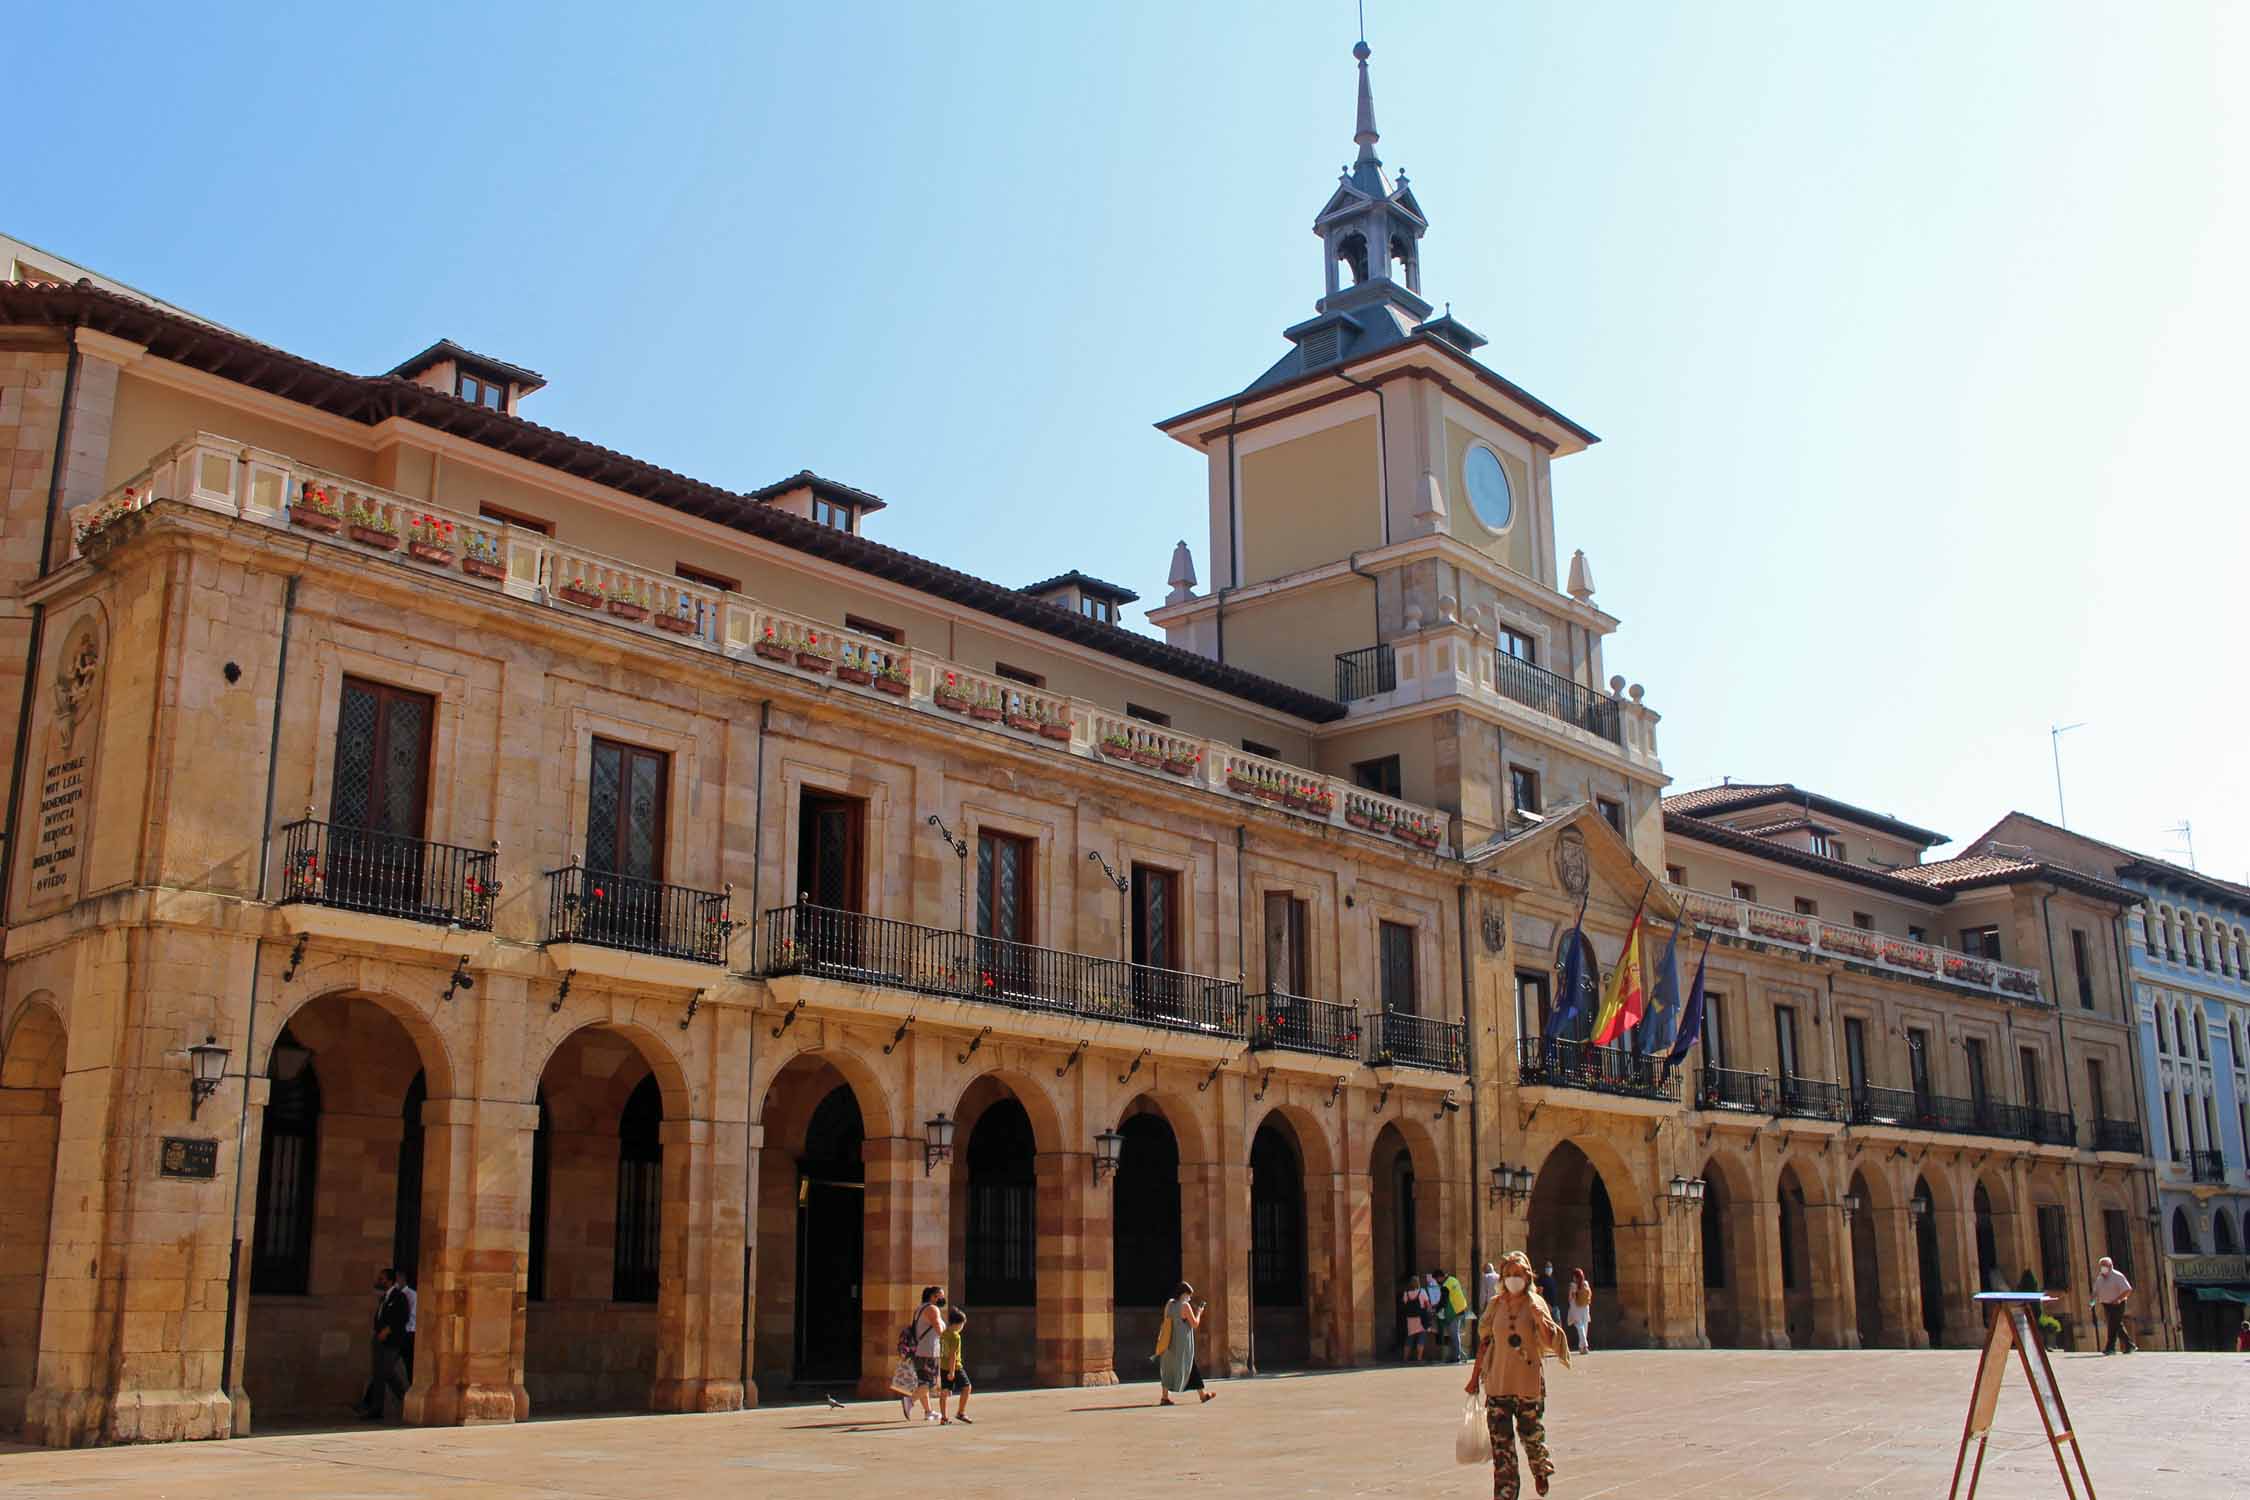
<point x="1487" y="483"/>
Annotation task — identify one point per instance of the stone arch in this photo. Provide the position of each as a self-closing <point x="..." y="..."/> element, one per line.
<point x="1289" y="1243"/>
<point x="1933" y="1207"/>
<point x="1179" y="1115"/>
<point x="1796" y="1194"/>
<point x="1727" y="1240"/>
<point x="1997" y="1229"/>
<point x="879" y="1109"/>
<point x="1869" y="1317"/>
<point x="1589" y="1212"/>
<point x="1404" y="1229"/>
<point x="2183" y="1234"/>
<point x="416" y="1021"/>
<point x="810" y="1212"/>
<point x="1151" y="1211"/>
<point x="1003" y="1124"/>
<point x="1312" y="1141"/>
<point x="32" y="1060"/>
<point x="652" y="1047"/>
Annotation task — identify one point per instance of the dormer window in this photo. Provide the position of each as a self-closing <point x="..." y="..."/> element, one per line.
<point x="1828" y="844"/>
<point x="1097" y="609"/>
<point x="830" y="513"/>
<point x="480" y="392"/>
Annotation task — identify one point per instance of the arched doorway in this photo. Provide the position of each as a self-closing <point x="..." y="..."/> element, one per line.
<point x="31" y="1078"/>
<point x="1278" y="1260"/>
<point x="591" y="1329"/>
<point x="996" y="1232"/>
<point x="811" y="1234"/>
<point x="1145" y="1249"/>
<point x="2183" y="1234"/>
<point x="2222" y="1234"/>
<point x="1796" y="1260"/>
<point x="1867" y="1286"/>
<point x="1399" y="1247"/>
<point x="1574" y="1225"/>
<point x="1727" y="1234"/>
<point x="1927" y="1262"/>
<point x="1988" y="1244"/>
<point x="337" y="1198"/>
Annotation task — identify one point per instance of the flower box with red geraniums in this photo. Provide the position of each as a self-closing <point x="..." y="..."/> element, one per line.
<point x="772" y="649"/>
<point x="1910" y="956"/>
<point x="948" y="695"/>
<point x="430" y="539"/>
<point x="316" y="510"/>
<point x="482" y="559"/>
<point x="371" y="527"/>
<point x="476" y="901"/>
<point x="581" y="593"/>
<point x="812" y="656"/>
<point x="985" y="710"/>
<point x="1357" y="817"/>
<point x="857" y="670"/>
<point x="1146" y="759"/>
<point x="1237" y="782"/>
<point x="891" y="678"/>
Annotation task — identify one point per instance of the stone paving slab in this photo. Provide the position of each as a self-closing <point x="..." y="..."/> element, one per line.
<point x="1739" y="1425"/>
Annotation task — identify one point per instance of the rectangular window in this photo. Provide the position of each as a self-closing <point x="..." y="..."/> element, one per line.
<point x="2085" y="969"/>
<point x="516" y="518"/>
<point x="1004" y="887"/>
<point x="828" y="513"/>
<point x="480" y="392"/>
<point x="2172" y="1127"/>
<point x="1379" y="775"/>
<point x="1531" y="1004"/>
<point x="1981" y="942"/>
<point x="1097" y="609"/>
<point x="1148" y="716"/>
<point x="689" y="573"/>
<point x="1287" y="917"/>
<point x="2054" y="1248"/>
<point x="1155" y="895"/>
<point x="1916" y="934"/>
<point x="2117" y="1239"/>
<point x="1979" y="1089"/>
<point x="1785" y="1041"/>
<point x="378" y="798"/>
<point x="1744" y="891"/>
<point x="1612" y="811"/>
<point x="1522" y="647"/>
<point x="2032" y="1093"/>
<point x="1523" y="786"/>
<point x="2097" y="1089"/>
<point x="1855" y="1055"/>
<point x="1918" y="1065"/>
<point x="888" y="634"/>
<point x="1807" y="907"/>
<point x="1714" y="1035"/>
<point x="1396" y="954"/>
<point x="1018" y="674"/>
<point x="1828" y="844"/>
<point x="1676" y="874"/>
<point x="1252" y="747"/>
<point x="1864" y="921"/>
<point x="625" y="799"/>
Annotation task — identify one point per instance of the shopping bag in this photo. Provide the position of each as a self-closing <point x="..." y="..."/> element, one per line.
<point x="1472" y="1444"/>
<point x="904" y="1379"/>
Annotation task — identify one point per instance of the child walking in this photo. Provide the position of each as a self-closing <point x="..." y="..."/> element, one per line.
<point x="953" y="1376"/>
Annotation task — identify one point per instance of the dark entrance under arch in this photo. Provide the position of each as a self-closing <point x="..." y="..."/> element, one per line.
<point x="1397" y="1245"/>
<point x="1145" y="1237"/>
<point x="1277" y="1248"/>
<point x="1866" y="1287"/>
<point x="1927" y="1263"/>
<point x="831" y="1203"/>
<point x="1988" y="1247"/>
<point x="1574" y="1226"/>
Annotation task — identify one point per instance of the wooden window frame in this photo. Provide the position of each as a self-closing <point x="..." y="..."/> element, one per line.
<point x="378" y="755"/>
<point x="1148" y="715"/>
<point x="990" y="843"/>
<point x="889" y="635"/>
<point x="1743" y="890"/>
<point x="1145" y="892"/>
<point x="1510" y="636"/>
<point x="703" y="578"/>
<point x="628" y="752"/>
<point x="486" y="511"/>
<point x="1384" y="775"/>
<point x="1021" y="675"/>
<point x="1253" y="747"/>
<point x="1410" y="943"/>
<point x="1612" y="812"/>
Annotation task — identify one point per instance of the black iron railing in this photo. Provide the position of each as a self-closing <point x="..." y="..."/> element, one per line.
<point x="1732" y="1088"/>
<point x="1279" y="1020"/>
<point x="1365" y="672"/>
<point x="826" y="943"/>
<point x="2050" y="1127"/>
<point x="1396" y="1037"/>
<point x="1582" y="1065"/>
<point x="2207" y="1166"/>
<point x="639" y="916"/>
<point x="2117" y="1135"/>
<point x="1557" y="697"/>
<point x="1809" y="1099"/>
<point x="1911" y="1110"/>
<point x="357" y="869"/>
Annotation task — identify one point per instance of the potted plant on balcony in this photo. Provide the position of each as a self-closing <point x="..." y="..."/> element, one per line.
<point x="430" y="539"/>
<point x="1181" y="761"/>
<point x="477" y="896"/>
<point x="372" y="526"/>
<point x="949" y="696"/>
<point x="852" y="665"/>
<point x="679" y="619"/>
<point x="1356" y="813"/>
<point x="315" y="509"/>
<point x="984" y="707"/>
<point x="584" y="594"/>
<point x="1239" y="780"/>
<point x="1379" y="818"/>
<point x="1147" y="757"/>
<point x="813" y="655"/>
<point x="890" y="677"/>
<point x="1054" y="726"/>
<point x="481" y="557"/>
<point x="1018" y="713"/>
<point x="1117" y="745"/>
<point x="302" y="877"/>
<point x="772" y="648"/>
<point x="629" y="602"/>
<point x="103" y="527"/>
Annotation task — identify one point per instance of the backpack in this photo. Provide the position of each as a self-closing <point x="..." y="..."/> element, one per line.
<point x="907" y="1338"/>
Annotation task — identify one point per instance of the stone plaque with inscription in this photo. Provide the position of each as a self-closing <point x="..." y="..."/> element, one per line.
<point x="56" y="823"/>
<point x="184" y="1156"/>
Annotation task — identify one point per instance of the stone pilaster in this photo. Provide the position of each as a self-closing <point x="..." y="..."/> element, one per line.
<point x="1076" y="1340"/>
<point x="1764" y="1310"/>
<point x="1355" y="1270"/>
<point x="1898" y="1278"/>
<point x="476" y="1215"/>
<point x="1828" y="1244"/>
<point x="906" y="1248"/>
<point x="699" y="1308"/>
<point x="1215" y="1260"/>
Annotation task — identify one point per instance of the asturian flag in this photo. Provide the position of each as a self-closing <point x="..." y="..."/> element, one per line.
<point x="1621" y="1007"/>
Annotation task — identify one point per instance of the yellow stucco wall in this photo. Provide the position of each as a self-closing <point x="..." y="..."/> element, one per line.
<point x="1310" y="500"/>
<point x="1512" y="546"/>
<point x="151" y="417"/>
<point x="1294" y="637"/>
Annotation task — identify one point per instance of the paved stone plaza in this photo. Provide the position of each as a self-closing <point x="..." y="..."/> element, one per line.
<point x="1734" y="1424"/>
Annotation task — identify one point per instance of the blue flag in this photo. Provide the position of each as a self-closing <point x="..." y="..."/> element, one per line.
<point x="1569" y="992"/>
<point x="1663" y="1020"/>
<point x="1691" y="1019"/>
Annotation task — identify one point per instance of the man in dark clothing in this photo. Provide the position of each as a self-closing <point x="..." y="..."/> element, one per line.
<point x="383" y="1371"/>
<point x="1546" y="1282"/>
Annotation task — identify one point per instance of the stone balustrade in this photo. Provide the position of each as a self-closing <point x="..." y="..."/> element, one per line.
<point x="1728" y="917"/>
<point x="238" y="479"/>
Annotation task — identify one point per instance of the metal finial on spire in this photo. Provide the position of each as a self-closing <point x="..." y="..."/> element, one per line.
<point x="1365" y="134"/>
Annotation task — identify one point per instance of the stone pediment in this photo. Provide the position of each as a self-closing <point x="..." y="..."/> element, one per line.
<point x="1573" y="853"/>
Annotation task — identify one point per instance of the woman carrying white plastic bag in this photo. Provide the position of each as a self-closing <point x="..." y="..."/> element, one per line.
<point x="1472" y="1443"/>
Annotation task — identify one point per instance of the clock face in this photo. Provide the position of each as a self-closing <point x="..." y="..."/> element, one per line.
<point x="1487" y="484"/>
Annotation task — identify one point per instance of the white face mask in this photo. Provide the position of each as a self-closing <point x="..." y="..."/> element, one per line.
<point x="1515" y="1285"/>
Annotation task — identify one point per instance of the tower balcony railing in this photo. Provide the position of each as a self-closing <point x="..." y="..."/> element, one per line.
<point x="1281" y="1021"/>
<point x="1747" y="922"/>
<point x="823" y="942"/>
<point x="1398" y="1038"/>
<point x="387" y="874"/>
<point x="1600" y="1070"/>
<point x="375" y="528"/>
<point x="2117" y="1135"/>
<point x="2206" y="1166"/>
<point x="1556" y="696"/>
<point x="1366" y="672"/>
<point x="637" y="916"/>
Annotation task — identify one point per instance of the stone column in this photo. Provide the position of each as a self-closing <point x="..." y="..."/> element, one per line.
<point x="1957" y="1263"/>
<point x="699" y="1305"/>
<point x="476" y="1257"/>
<point x="1763" y="1307"/>
<point x="905" y="1231"/>
<point x="1075" y="1330"/>
<point x="1835" y="1297"/>
<point x="246" y="1220"/>
<point x="1215" y="1260"/>
<point x="1898" y="1277"/>
<point x="30" y="1121"/>
<point x="1354" y="1285"/>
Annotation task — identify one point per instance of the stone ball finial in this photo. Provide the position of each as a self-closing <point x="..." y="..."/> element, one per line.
<point x="1413" y="618"/>
<point x="1635" y="691"/>
<point x="1616" y="686"/>
<point x="1448" y="609"/>
<point x="1361" y="50"/>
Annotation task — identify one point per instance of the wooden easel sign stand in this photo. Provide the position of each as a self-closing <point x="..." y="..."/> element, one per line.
<point x="2015" y="1325"/>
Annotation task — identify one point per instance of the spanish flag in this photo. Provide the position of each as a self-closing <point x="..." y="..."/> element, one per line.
<point x="1622" y="1005"/>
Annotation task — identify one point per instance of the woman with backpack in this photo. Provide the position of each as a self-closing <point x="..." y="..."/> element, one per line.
<point x="918" y="1341"/>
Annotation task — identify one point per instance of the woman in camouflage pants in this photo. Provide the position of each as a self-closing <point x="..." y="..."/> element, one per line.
<point x="1514" y="1337"/>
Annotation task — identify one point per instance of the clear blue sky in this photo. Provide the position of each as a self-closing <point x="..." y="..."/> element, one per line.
<point x="1915" y="333"/>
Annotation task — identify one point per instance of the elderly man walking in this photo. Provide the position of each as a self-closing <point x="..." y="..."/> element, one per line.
<point x="2110" y="1291"/>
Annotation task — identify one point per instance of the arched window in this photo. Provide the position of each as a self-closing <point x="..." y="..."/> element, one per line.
<point x="2179" y="1032"/>
<point x="406" y="1215"/>
<point x="999" y="1257"/>
<point x="1714" y="1233"/>
<point x="288" y="1167"/>
<point x="1277" y="1220"/>
<point x="542" y="1136"/>
<point x="2183" y="1234"/>
<point x="2222" y="1234"/>
<point x="2202" y="1043"/>
<point x="640" y="1195"/>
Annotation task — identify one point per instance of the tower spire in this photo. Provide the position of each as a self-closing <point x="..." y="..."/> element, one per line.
<point x="1365" y="133"/>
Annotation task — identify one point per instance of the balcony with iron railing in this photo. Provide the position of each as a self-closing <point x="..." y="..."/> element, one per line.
<point x="2117" y="1135"/>
<point x="1739" y="921"/>
<point x="1599" y="1070"/>
<point x="1736" y="1090"/>
<point x="1397" y="1038"/>
<point x="2206" y="1166"/>
<point x="1284" y="1022"/>
<point x="387" y="875"/>
<point x="1908" y="1109"/>
<point x="637" y="916"/>
<point x="1808" y="1099"/>
<point x="824" y="943"/>
<point x="382" y="528"/>
<point x="1373" y="672"/>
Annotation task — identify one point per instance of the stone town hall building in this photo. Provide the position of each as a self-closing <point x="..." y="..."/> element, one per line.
<point x="676" y="926"/>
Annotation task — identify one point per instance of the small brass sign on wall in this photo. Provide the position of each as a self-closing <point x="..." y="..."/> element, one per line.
<point x="184" y="1157"/>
